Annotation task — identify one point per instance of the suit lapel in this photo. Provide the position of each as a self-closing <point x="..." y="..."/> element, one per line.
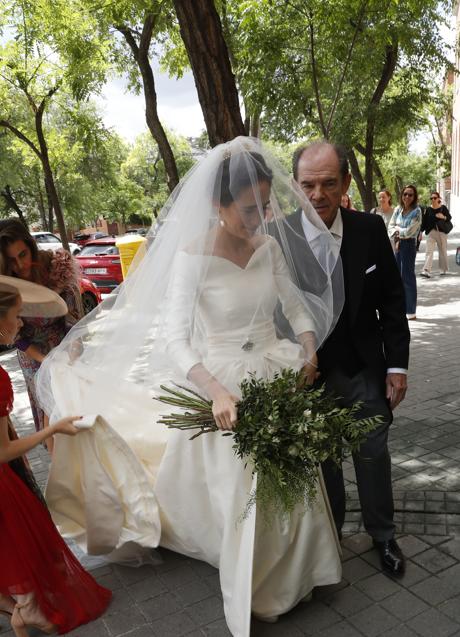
<point x="353" y="251"/>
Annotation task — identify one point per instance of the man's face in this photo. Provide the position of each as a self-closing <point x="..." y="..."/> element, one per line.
<point x="318" y="175"/>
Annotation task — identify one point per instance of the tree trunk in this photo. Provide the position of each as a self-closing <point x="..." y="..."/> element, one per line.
<point x="141" y="55"/>
<point x="12" y="203"/>
<point x="388" y="69"/>
<point x="357" y="175"/>
<point x="41" y="207"/>
<point x="49" y="179"/>
<point x="201" y="31"/>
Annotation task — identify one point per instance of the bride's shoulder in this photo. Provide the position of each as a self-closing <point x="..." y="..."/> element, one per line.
<point x="202" y="245"/>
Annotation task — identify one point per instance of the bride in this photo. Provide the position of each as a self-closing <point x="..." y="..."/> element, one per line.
<point x="214" y="299"/>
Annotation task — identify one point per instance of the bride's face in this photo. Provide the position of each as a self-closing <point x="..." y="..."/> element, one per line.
<point x="244" y="215"/>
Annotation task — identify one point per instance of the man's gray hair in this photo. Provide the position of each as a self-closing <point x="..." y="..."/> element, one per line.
<point x="339" y="150"/>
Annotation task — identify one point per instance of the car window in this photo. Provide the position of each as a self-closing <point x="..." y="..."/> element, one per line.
<point x="51" y="238"/>
<point x="98" y="249"/>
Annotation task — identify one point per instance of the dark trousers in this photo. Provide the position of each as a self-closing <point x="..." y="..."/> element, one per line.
<point x="372" y="462"/>
<point x="405" y="258"/>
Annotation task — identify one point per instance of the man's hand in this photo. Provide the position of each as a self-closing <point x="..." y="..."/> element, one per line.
<point x="396" y="388"/>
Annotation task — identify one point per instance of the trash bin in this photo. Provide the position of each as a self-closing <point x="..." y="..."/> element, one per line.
<point x="457" y="256"/>
<point x="128" y="247"/>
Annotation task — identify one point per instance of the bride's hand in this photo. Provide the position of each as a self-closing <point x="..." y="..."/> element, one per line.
<point x="309" y="372"/>
<point x="224" y="410"/>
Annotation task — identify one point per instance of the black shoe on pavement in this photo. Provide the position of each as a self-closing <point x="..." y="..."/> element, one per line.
<point x="391" y="557"/>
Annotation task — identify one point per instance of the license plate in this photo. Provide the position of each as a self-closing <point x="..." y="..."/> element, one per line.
<point x="95" y="270"/>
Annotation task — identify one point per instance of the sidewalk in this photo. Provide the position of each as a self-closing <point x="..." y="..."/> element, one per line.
<point x="180" y="596"/>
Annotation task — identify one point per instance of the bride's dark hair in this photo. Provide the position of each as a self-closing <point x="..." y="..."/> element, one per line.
<point x="245" y="171"/>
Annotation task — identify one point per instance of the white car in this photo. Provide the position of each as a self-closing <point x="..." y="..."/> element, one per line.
<point x="49" y="241"/>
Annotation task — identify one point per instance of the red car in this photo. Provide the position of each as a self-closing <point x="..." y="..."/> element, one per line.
<point x="90" y="295"/>
<point x="100" y="263"/>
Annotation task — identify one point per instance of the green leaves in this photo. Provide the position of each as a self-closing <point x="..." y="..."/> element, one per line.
<point x="283" y="431"/>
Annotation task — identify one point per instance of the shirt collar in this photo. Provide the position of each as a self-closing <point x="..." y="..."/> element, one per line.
<point x="312" y="232"/>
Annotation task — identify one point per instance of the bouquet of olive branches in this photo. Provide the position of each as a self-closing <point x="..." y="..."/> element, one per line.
<point x="284" y="431"/>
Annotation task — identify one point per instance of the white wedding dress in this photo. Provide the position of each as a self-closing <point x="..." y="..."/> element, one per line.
<point x="135" y="480"/>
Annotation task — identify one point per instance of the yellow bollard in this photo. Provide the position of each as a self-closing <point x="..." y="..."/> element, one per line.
<point x="128" y="247"/>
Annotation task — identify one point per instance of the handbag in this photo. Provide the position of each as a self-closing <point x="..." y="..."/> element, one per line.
<point x="444" y="225"/>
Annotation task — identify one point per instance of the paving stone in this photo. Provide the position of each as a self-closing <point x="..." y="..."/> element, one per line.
<point x="356" y="569"/>
<point x="206" y="610"/>
<point x="217" y="629"/>
<point x="373" y="621"/>
<point x="124" y="621"/>
<point x="314" y="617"/>
<point x="159" y="606"/>
<point x="179" y="576"/>
<point x="342" y="629"/>
<point x="174" y="625"/>
<point x="193" y="592"/>
<point x="378" y="586"/>
<point x="348" y="601"/>
<point x="433" y="590"/>
<point x="434" y="560"/>
<point x="433" y="623"/>
<point x="400" y="631"/>
<point x="411" y="545"/>
<point x="146" y="588"/>
<point x="359" y="543"/>
<point x="413" y="574"/>
<point x="451" y="609"/>
<point x="404" y="605"/>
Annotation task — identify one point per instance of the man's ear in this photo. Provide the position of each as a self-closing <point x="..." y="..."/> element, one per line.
<point x="346" y="183"/>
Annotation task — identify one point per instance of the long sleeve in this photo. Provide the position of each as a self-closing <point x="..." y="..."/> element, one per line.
<point x="412" y="224"/>
<point x="289" y="295"/>
<point x="182" y="296"/>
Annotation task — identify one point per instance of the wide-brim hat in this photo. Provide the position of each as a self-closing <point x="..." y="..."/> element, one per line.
<point x="37" y="300"/>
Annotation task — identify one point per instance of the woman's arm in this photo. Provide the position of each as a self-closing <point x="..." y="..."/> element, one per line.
<point x="11" y="449"/>
<point x="411" y="231"/>
<point x="34" y="353"/>
<point x="183" y="296"/>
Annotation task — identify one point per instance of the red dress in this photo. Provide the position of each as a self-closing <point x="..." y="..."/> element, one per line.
<point x="34" y="557"/>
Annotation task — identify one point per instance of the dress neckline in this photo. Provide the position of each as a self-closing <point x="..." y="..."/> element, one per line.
<point x="239" y="267"/>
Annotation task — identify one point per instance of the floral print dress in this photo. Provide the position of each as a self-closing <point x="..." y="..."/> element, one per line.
<point x="47" y="333"/>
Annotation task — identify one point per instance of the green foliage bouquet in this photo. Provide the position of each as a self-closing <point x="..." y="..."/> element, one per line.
<point x="284" y="431"/>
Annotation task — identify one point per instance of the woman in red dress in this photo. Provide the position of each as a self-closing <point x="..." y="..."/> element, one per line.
<point x="42" y="584"/>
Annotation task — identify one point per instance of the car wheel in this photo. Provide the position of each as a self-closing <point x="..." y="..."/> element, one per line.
<point x="89" y="302"/>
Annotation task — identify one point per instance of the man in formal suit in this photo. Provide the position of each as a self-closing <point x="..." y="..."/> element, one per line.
<point x="365" y="358"/>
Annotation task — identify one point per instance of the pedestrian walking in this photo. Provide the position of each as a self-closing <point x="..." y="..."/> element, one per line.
<point x="436" y="225"/>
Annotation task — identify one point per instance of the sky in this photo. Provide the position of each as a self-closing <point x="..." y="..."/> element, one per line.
<point x="178" y="106"/>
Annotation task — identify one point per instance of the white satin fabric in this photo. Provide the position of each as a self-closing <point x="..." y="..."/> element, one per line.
<point x="134" y="480"/>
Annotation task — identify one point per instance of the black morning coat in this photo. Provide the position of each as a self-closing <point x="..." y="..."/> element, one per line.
<point x="372" y="331"/>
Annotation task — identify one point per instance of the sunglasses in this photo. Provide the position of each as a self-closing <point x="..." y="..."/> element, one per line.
<point x="435" y="198"/>
<point x="408" y="194"/>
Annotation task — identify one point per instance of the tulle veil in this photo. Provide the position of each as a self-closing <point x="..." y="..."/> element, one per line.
<point x="129" y="341"/>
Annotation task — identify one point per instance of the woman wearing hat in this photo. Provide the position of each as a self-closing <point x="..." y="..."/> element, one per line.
<point x="42" y="584"/>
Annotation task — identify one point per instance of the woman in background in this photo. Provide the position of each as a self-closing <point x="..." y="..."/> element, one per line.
<point x="42" y="584"/>
<point x="384" y="209"/>
<point x="403" y="228"/>
<point x="434" y="214"/>
<point x="20" y="257"/>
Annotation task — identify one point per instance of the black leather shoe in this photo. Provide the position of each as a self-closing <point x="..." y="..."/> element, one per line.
<point x="391" y="557"/>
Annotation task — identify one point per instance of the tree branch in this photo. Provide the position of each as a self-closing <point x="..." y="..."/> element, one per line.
<point x="346" y="65"/>
<point x="6" y="124"/>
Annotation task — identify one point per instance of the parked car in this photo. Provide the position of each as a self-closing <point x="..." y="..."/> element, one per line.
<point x="100" y="262"/>
<point x="82" y="238"/>
<point x="90" y="295"/>
<point x="49" y="241"/>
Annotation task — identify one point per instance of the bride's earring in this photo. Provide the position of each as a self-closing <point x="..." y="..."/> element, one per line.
<point x="221" y="223"/>
<point x="2" y="335"/>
